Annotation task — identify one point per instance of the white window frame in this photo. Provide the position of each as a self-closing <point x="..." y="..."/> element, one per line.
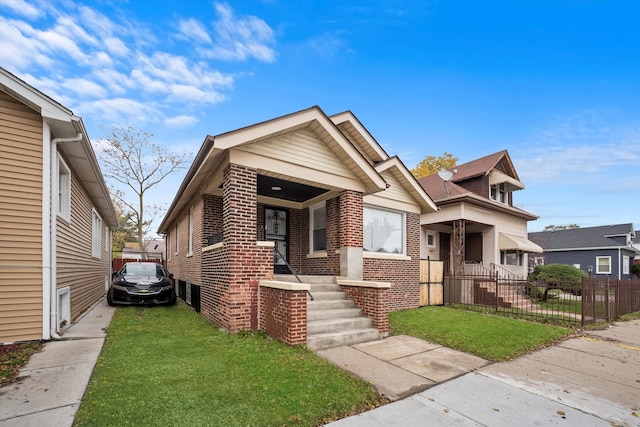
<point x="501" y="194"/>
<point x="369" y="210"/>
<point x="519" y="257"/>
<point x="63" y="190"/>
<point x="177" y="239"/>
<point x="313" y="227"/>
<point x="96" y="234"/>
<point x="431" y="234"/>
<point x="168" y="243"/>
<point x="190" y="231"/>
<point x="625" y="264"/>
<point x="598" y="271"/>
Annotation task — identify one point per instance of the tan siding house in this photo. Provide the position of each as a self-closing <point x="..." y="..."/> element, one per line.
<point x="55" y="216"/>
<point x="477" y="229"/>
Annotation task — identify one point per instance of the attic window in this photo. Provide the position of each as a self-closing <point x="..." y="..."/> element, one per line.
<point x="498" y="192"/>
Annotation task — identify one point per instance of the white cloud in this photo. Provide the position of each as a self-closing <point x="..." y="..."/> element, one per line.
<point x="85" y="88"/>
<point x="121" y="110"/>
<point x="328" y="45"/>
<point x="241" y="38"/>
<point x="19" y="50"/>
<point x="180" y="121"/>
<point x="192" y="29"/>
<point x="592" y="146"/>
<point x="22" y="8"/>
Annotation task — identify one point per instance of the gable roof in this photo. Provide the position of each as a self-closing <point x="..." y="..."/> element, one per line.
<point x="583" y="238"/>
<point x="484" y="165"/>
<point x="64" y="124"/>
<point x="342" y="135"/>
<point x="487" y="165"/>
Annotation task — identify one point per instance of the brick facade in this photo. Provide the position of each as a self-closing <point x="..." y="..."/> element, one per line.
<point x="404" y="275"/>
<point x="283" y="314"/>
<point x="374" y="303"/>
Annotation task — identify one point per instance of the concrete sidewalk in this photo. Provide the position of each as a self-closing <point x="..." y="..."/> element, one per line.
<point x="400" y="366"/>
<point x="53" y="382"/>
<point x="592" y="380"/>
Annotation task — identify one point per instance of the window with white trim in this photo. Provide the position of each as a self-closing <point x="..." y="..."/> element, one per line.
<point x="625" y="264"/>
<point x="64" y="190"/>
<point x="96" y="235"/>
<point x="318" y="220"/>
<point x="168" y="240"/>
<point x="512" y="257"/>
<point x="383" y="230"/>
<point x="431" y="239"/>
<point x="176" y="240"/>
<point x="498" y="192"/>
<point x="190" y="228"/>
<point x="603" y="265"/>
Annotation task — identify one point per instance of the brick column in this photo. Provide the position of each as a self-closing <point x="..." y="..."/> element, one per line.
<point x="239" y="224"/>
<point x="351" y="234"/>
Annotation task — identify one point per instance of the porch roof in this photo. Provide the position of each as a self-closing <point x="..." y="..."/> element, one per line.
<point x="512" y="242"/>
<point x="342" y="135"/>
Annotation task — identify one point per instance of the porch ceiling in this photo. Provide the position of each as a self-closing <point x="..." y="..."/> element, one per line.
<point x="287" y="190"/>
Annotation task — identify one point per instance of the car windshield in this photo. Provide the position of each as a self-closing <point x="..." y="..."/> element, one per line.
<point x="142" y="270"/>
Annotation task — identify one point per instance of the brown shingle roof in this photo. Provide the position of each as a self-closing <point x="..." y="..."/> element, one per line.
<point x="434" y="187"/>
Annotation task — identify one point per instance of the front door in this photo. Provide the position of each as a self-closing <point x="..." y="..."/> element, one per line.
<point x="277" y="230"/>
<point x="445" y="251"/>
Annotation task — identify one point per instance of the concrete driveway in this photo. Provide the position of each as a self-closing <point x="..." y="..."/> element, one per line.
<point x="592" y="380"/>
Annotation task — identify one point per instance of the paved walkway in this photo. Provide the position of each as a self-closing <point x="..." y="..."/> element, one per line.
<point x="53" y="382"/>
<point x="588" y="381"/>
<point x="592" y="380"/>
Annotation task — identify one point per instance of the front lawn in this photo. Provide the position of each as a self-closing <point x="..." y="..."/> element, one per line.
<point x="491" y="337"/>
<point x="170" y="366"/>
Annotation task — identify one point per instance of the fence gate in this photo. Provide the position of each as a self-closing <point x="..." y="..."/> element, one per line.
<point x="431" y="282"/>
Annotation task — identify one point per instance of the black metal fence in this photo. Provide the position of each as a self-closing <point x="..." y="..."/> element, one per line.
<point x="608" y="299"/>
<point x="591" y="301"/>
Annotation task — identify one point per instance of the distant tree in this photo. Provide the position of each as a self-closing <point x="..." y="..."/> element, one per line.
<point x="126" y="231"/>
<point x="560" y="227"/>
<point x="131" y="159"/>
<point x="431" y="164"/>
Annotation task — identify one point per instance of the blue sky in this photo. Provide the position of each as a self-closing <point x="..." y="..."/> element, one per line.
<point x="556" y="83"/>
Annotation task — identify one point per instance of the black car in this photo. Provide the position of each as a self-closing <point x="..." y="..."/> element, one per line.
<point x="142" y="283"/>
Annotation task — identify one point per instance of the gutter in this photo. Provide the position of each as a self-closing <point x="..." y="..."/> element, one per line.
<point x="53" y="185"/>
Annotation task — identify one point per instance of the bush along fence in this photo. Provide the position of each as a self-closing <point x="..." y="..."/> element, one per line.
<point x="590" y="301"/>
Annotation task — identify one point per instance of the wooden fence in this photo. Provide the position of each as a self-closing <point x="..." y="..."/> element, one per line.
<point x="431" y="282"/>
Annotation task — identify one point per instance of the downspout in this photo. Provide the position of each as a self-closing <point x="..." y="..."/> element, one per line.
<point x="53" y="302"/>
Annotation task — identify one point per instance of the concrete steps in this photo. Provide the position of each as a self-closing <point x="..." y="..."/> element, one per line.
<point x="333" y="320"/>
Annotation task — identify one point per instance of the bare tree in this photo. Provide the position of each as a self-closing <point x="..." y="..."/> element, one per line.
<point x="131" y="159"/>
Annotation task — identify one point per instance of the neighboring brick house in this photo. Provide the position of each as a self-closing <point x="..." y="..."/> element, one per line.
<point x="477" y="229"/>
<point x="603" y="251"/>
<point x="55" y="216"/>
<point x="305" y="193"/>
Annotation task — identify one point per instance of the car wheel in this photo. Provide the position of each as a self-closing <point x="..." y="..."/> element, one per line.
<point x="109" y="300"/>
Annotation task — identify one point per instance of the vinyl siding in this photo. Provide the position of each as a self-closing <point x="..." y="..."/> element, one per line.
<point x="20" y="221"/>
<point x="76" y="267"/>
<point x="302" y="148"/>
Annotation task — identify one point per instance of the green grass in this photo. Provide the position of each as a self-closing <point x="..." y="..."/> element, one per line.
<point x="491" y="337"/>
<point x="170" y="366"/>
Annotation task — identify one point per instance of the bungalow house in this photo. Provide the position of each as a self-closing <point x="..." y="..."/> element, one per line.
<point x="302" y="226"/>
<point x="603" y="251"/>
<point x="55" y="216"/>
<point x="476" y="229"/>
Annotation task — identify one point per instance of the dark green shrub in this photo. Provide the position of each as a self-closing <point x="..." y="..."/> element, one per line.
<point x="635" y="270"/>
<point x="558" y="276"/>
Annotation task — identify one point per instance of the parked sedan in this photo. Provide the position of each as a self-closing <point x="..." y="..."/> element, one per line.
<point x="142" y="283"/>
